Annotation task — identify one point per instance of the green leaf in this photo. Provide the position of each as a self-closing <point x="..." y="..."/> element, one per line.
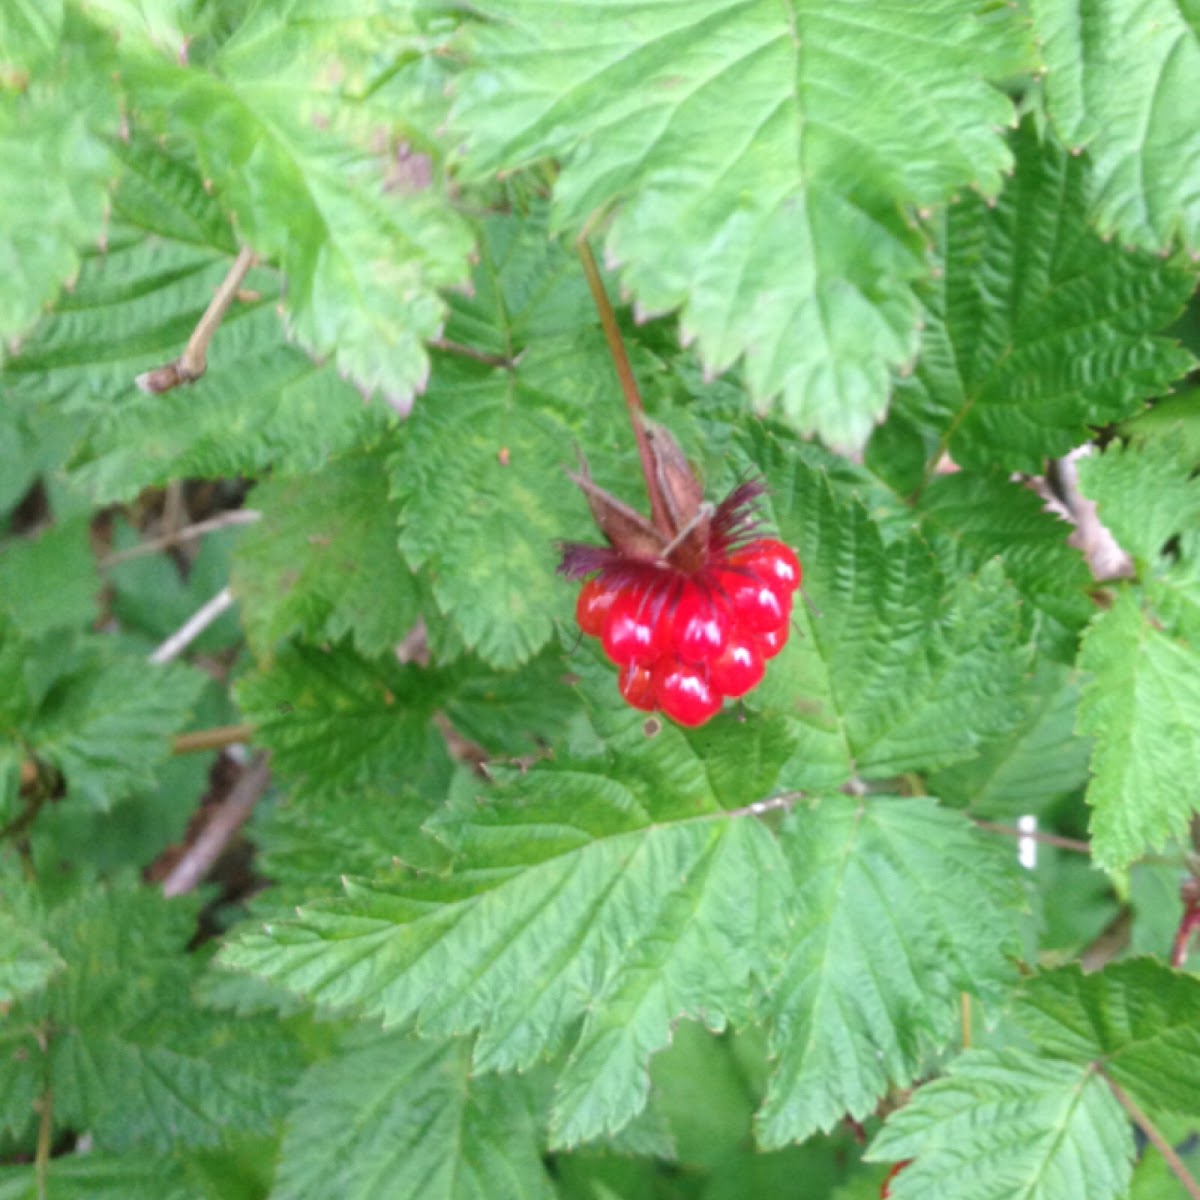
<point x="1140" y="707"/>
<point x="336" y="721"/>
<point x="1004" y="1123"/>
<point x="390" y="1117"/>
<point x="30" y="31"/>
<point x="27" y="962"/>
<point x="670" y="114"/>
<point x="99" y="1176"/>
<point x="324" y="560"/>
<point x="57" y="167"/>
<point x="50" y="581"/>
<point x="902" y="906"/>
<point x="1039" y="761"/>
<point x="1138" y="1020"/>
<point x="575" y="897"/>
<point x="891" y="666"/>
<point x="1119" y="82"/>
<point x="97" y="713"/>
<point x="363" y="254"/>
<point x="1037" y="328"/>
<point x="988" y="516"/>
<point x="129" y="1057"/>
<point x="1146" y="494"/>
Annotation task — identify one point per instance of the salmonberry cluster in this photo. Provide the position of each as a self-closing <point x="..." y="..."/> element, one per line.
<point x="684" y="643"/>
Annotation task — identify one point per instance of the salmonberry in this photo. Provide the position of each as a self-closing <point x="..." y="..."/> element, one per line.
<point x="685" y="693"/>
<point x="690" y="606"/>
<point x="738" y="668"/>
<point x="595" y="599"/>
<point x="636" y="685"/>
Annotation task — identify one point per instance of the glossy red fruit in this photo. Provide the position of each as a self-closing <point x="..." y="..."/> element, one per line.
<point x="772" y="562"/>
<point x="595" y="599"/>
<point x="771" y="643"/>
<point x="699" y="624"/>
<point x="738" y="668"/>
<point x="758" y="607"/>
<point x="885" y="1190"/>
<point x="636" y="685"/>
<point x="634" y="630"/>
<point x="685" y="694"/>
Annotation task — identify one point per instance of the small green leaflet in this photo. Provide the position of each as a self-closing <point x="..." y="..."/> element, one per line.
<point x="902" y="906"/>
<point x="1140" y="706"/>
<point x="27" y="962"/>
<point x="390" y="1117"/>
<point x="1138" y="1019"/>
<point x="1004" y="1123"/>
<point x="759" y="186"/>
<point x="1120" y="81"/>
<point x="1035" y="327"/>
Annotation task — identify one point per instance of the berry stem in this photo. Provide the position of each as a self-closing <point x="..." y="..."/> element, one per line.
<point x="1156" y="1139"/>
<point x="633" y="398"/>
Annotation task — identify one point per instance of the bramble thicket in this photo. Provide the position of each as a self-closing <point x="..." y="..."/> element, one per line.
<point x="333" y="860"/>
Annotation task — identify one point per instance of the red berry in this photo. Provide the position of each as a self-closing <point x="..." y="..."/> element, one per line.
<point x="771" y="643"/>
<point x="738" y="668"/>
<point x="700" y="625"/>
<point x="636" y="685"/>
<point x="634" y="630"/>
<point x="595" y="599"/>
<point x="885" y="1190"/>
<point x="758" y="607"/>
<point x="685" y="694"/>
<point x="772" y="562"/>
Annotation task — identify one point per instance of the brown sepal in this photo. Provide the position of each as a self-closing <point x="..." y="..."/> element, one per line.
<point x="625" y="528"/>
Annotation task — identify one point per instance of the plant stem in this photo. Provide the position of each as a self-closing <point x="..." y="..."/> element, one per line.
<point x="236" y="516"/>
<point x="45" y="1134"/>
<point x="191" y="364"/>
<point x="1047" y="839"/>
<point x="211" y="739"/>
<point x="1160" y="1143"/>
<point x="633" y="398"/>
<point x="195" y="625"/>
<point x="463" y="351"/>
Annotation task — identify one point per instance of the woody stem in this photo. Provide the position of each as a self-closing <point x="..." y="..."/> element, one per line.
<point x="633" y="398"/>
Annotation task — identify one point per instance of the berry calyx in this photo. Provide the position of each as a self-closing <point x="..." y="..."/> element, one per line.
<point x="636" y="685"/>
<point x="685" y="693"/>
<point x="739" y="668"/>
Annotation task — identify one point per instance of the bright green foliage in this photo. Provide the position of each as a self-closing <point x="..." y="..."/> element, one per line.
<point x="871" y="682"/>
<point x="56" y="165"/>
<point x="1004" y="1123"/>
<point x="1035" y="328"/>
<point x="757" y="180"/>
<point x="1038" y="762"/>
<point x="49" y="582"/>
<point x="26" y="961"/>
<point x="432" y="1131"/>
<point x="1120" y="81"/>
<point x="1139" y="1020"/>
<point x="901" y="907"/>
<point x="91" y="710"/>
<point x="1139" y="705"/>
<point x="116" y="1037"/>
<point x="1143" y="655"/>
<point x="362" y="250"/>
<point x="324" y="560"/>
<point x="982" y="516"/>
<point x="488" y="931"/>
